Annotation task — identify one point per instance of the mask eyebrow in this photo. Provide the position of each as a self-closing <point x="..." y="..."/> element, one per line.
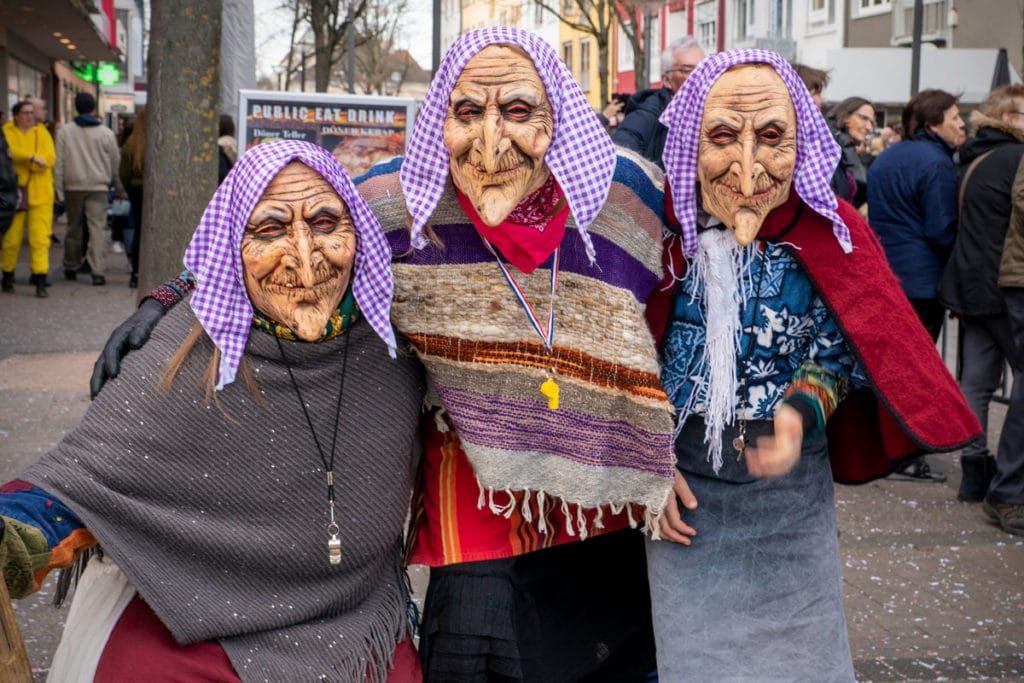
<point x="270" y="212"/>
<point x="529" y="98"/>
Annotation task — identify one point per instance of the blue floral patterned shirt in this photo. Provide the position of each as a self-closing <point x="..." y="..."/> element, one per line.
<point x="791" y="326"/>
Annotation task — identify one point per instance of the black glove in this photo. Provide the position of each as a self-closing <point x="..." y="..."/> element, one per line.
<point x="133" y="333"/>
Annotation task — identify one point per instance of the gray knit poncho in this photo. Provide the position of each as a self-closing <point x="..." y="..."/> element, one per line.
<point x="219" y="521"/>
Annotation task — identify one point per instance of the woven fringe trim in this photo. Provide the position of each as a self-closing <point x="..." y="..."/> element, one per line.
<point x="68" y="578"/>
<point x="574" y="514"/>
<point x="721" y="269"/>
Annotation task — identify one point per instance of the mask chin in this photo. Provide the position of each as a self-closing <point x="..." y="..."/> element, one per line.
<point x="746" y="225"/>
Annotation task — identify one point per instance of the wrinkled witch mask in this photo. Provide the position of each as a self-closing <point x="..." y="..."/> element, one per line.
<point x="297" y="251"/>
<point x="497" y="130"/>
<point x="747" y="148"/>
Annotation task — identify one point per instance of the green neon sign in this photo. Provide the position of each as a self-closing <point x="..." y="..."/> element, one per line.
<point x="107" y="73"/>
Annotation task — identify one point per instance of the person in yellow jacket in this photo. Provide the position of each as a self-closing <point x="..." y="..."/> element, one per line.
<point x="33" y="154"/>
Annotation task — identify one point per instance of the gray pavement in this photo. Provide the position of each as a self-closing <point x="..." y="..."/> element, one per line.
<point x="933" y="591"/>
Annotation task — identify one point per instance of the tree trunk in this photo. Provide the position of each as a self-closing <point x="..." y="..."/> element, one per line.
<point x="602" y="70"/>
<point x="181" y="139"/>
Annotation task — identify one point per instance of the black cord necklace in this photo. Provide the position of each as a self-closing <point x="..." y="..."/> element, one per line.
<point x="333" y="540"/>
<point x="740" y="442"/>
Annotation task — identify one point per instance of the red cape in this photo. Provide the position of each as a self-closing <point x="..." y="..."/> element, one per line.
<point x="913" y="405"/>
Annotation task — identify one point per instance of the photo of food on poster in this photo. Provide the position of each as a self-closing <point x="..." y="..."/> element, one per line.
<point x="359" y="130"/>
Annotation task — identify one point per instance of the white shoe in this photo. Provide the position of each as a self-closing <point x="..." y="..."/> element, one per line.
<point x="117" y="247"/>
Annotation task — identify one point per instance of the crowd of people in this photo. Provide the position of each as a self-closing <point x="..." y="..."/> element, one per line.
<point x="600" y="384"/>
<point x="85" y="170"/>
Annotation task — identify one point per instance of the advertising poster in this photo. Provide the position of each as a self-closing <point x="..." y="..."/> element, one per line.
<point x="359" y="130"/>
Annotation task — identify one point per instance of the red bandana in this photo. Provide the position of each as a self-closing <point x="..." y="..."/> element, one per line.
<point x="530" y="233"/>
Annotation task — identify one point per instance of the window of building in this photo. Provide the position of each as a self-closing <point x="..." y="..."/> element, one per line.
<point x="568" y="7"/>
<point x="744" y="19"/>
<point x="780" y="18"/>
<point x="654" y="62"/>
<point x="567" y="55"/>
<point x="707" y="32"/>
<point x="867" y="8"/>
<point x="821" y="12"/>
<point x="624" y="60"/>
<point x="538" y="13"/>
<point x="584" y="77"/>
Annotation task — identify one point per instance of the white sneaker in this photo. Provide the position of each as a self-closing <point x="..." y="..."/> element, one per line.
<point x="117" y="247"/>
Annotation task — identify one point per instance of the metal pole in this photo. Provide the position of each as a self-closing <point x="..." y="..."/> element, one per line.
<point x="351" y="52"/>
<point x="915" y="48"/>
<point x="302" y="69"/>
<point x="436" y="36"/>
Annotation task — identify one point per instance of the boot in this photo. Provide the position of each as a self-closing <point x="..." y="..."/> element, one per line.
<point x="7" y="283"/>
<point x="39" y="280"/>
<point x="978" y="472"/>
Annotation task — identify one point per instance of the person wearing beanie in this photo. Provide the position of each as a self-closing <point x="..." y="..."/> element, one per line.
<point x="87" y="167"/>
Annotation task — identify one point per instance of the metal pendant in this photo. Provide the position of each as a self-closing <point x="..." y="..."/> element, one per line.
<point x="740" y="442"/>
<point x="334" y="549"/>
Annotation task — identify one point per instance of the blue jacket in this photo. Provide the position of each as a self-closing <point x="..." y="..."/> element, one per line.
<point x="640" y="130"/>
<point x="912" y="205"/>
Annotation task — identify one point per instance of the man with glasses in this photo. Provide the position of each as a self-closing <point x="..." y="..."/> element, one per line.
<point x="640" y="130"/>
<point x="39" y="106"/>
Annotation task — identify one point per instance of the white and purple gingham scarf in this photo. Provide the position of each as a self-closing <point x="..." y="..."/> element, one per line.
<point x="214" y="255"/>
<point x="581" y="155"/>
<point x="817" y="153"/>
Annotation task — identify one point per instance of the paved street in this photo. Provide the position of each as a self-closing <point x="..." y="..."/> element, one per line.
<point x="933" y="591"/>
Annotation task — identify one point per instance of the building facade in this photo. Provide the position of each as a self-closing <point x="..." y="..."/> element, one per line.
<point x="40" y="42"/>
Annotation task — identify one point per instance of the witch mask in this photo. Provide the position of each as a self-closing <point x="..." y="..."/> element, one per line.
<point x="298" y="250"/>
<point x="497" y="129"/>
<point x="747" y="148"/>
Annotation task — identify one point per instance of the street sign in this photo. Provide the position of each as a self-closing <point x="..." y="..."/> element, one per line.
<point x="359" y="130"/>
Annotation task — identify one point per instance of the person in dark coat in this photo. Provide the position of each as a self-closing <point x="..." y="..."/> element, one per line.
<point x="969" y="289"/>
<point x="912" y="194"/>
<point x="851" y="121"/>
<point x="640" y="130"/>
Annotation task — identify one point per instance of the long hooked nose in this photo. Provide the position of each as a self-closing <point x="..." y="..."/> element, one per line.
<point x="747" y="166"/>
<point x="304" y="248"/>
<point x="493" y="134"/>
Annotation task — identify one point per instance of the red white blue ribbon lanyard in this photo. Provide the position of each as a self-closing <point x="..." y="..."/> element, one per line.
<point x="549" y="388"/>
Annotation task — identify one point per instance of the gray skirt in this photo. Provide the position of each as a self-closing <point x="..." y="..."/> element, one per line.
<point x="758" y="595"/>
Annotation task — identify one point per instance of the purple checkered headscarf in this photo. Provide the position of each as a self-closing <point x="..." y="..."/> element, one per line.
<point x="581" y="156"/>
<point x="214" y="255"/>
<point x="817" y="153"/>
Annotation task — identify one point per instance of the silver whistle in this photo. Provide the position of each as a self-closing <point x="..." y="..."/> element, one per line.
<point x="333" y="544"/>
<point x="334" y="549"/>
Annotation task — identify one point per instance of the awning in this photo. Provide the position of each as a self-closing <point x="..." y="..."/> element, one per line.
<point x="36" y="22"/>
<point x="882" y="74"/>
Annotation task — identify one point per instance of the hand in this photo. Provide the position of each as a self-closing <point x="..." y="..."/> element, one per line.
<point x="774" y="457"/>
<point x="39" y="161"/>
<point x="133" y="333"/>
<point x="613" y="112"/>
<point x="672" y="526"/>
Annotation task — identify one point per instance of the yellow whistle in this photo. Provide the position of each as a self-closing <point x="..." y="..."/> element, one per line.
<point x="550" y="389"/>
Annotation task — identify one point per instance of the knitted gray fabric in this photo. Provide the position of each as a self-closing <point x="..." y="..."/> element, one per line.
<point x="220" y="522"/>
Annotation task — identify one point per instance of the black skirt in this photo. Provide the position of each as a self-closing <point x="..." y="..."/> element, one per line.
<point x="576" y="612"/>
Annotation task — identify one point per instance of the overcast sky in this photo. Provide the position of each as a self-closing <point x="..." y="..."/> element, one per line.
<point x="273" y="27"/>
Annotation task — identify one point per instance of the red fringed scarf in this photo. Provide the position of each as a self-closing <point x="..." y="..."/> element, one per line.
<point x="531" y="231"/>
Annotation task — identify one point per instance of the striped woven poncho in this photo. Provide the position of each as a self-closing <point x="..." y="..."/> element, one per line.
<point x="610" y="441"/>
